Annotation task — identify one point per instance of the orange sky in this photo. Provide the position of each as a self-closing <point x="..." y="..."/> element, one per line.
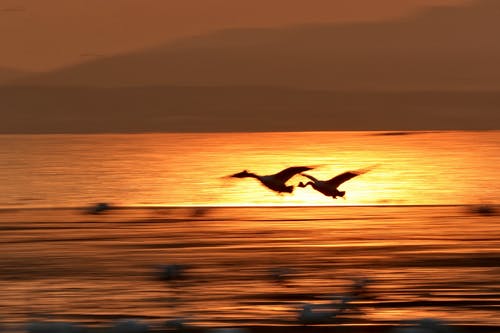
<point x="45" y="34"/>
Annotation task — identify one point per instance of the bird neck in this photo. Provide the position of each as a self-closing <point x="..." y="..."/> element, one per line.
<point x="252" y="175"/>
<point x="246" y="174"/>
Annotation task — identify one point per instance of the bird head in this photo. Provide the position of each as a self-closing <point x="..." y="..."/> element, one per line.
<point x="301" y="184"/>
<point x="288" y="189"/>
<point x="241" y="174"/>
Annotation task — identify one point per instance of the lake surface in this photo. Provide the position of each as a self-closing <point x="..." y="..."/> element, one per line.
<point x="433" y="261"/>
<point x="412" y="168"/>
<point x="411" y="226"/>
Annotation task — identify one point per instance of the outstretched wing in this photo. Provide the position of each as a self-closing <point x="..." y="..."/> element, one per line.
<point x="343" y="177"/>
<point x="310" y="177"/>
<point x="290" y="172"/>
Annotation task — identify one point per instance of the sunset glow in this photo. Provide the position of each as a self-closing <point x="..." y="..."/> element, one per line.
<point x="249" y="166"/>
<point x="172" y="170"/>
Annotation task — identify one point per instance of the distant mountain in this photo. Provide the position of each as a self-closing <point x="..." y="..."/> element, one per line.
<point x="7" y="75"/>
<point x="219" y="109"/>
<point x="440" y="48"/>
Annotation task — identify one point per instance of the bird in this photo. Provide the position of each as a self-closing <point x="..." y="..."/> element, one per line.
<point x="425" y="325"/>
<point x="276" y="182"/>
<point x="484" y="210"/>
<point x="171" y="272"/>
<point x="99" y="208"/>
<point x="280" y="275"/>
<point x="360" y="287"/>
<point x="329" y="187"/>
<point x="307" y="315"/>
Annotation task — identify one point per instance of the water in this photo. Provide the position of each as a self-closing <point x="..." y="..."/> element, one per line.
<point x="186" y="169"/>
<point x="409" y="225"/>
<point x="439" y="261"/>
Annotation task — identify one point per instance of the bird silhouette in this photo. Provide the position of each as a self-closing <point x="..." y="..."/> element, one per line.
<point x="329" y="187"/>
<point x="308" y="315"/>
<point x="276" y="182"/>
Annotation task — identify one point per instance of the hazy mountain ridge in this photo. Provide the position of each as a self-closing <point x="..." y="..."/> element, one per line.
<point x="8" y="74"/>
<point x="221" y="109"/>
<point x="312" y="77"/>
<point x="440" y="48"/>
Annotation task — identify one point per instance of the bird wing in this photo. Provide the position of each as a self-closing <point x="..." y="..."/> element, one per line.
<point x="310" y="177"/>
<point x="290" y="172"/>
<point x="343" y="177"/>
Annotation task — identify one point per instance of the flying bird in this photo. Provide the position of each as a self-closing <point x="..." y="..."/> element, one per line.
<point x="276" y="182"/>
<point x="329" y="187"/>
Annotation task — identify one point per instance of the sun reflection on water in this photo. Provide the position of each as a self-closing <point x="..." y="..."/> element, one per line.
<point x="190" y="169"/>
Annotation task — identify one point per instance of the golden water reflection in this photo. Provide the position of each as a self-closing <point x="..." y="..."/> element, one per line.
<point x="188" y="169"/>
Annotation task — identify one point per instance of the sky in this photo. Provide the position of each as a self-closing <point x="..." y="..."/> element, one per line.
<point x="41" y="35"/>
